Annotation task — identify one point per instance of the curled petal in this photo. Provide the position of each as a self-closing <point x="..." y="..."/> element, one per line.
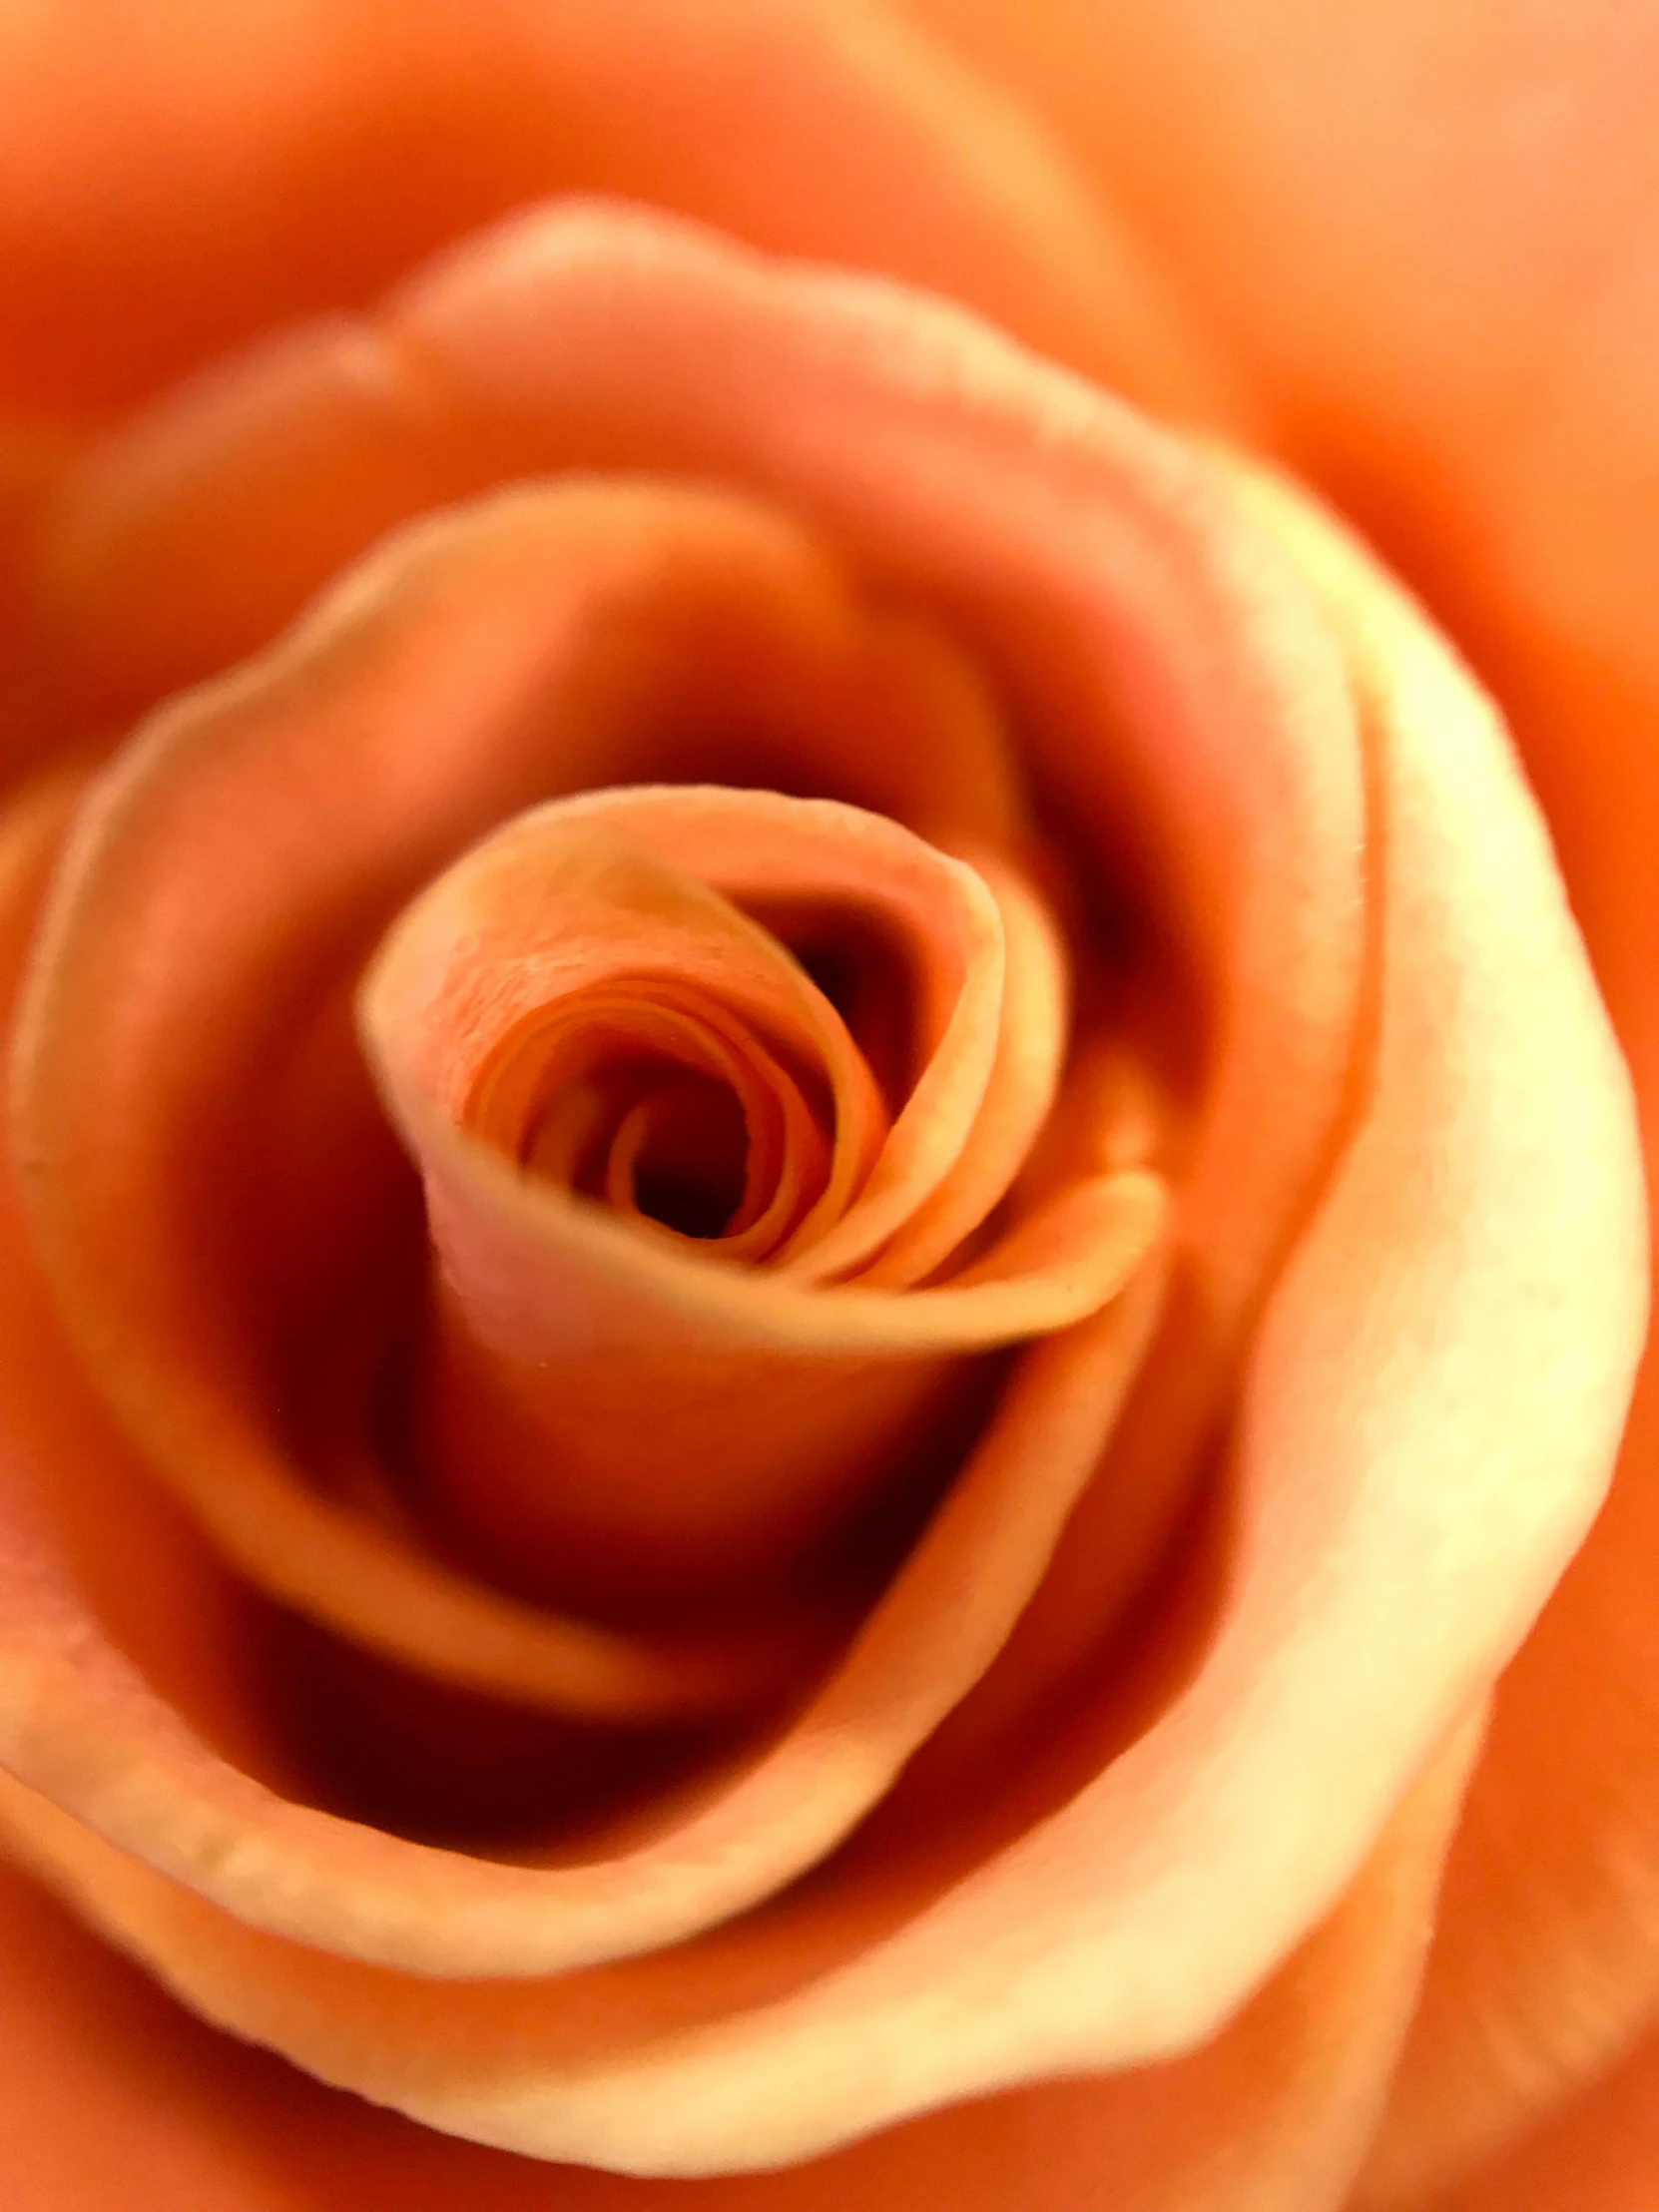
<point x="567" y="2069"/>
<point x="553" y="1330"/>
<point x="78" y="1723"/>
<point x="204" y="913"/>
<point x="1331" y="838"/>
<point x="1270" y="2114"/>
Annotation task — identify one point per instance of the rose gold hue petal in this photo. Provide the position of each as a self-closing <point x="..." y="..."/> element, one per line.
<point x="571" y="1663"/>
<point x="615" y="886"/>
<point x="203" y="188"/>
<point x="80" y="1725"/>
<point x="820" y="1399"/>
<point x="171" y="548"/>
<point x="1376" y="1486"/>
<point x="1272" y="1714"/>
<point x="1455" y="1016"/>
<point x="933" y="1126"/>
<point x="942" y="924"/>
<point x="113" y="2095"/>
<point x="108" y="2091"/>
<point x="1427" y="233"/>
<point x="1457" y="997"/>
<point x="1053" y="1268"/>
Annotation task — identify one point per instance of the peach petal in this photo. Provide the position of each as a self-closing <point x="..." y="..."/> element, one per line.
<point x="1595" y="2151"/>
<point x="1458" y="320"/>
<point x="232" y="499"/>
<point x="786" y="1157"/>
<point x="1179" y="699"/>
<point x="271" y="218"/>
<point x="166" y="550"/>
<point x="947" y="922"/>
<point x="1057" y="1266"/>
<point x="1338" y="1516"/>
<point x="76" y="1509"/>
<point x="642" y="579"/>
<point x="1525" y="1350"/>
<point x="1154" y="657"/>
<point x="819" y="1398"/>
<point x="570" y="1662"/>
<point x="1478" y="392"/>
<point x="115" y="2095"/>
<point x="1356" y="1465"/>
<point x="189" y="180"/>
<point x="680" y="2094"/>
<point x="1544" y="1964"/>
<point x="1426" y="783"/>
<point x="78" y="1723"/>
<point x="649" y="856"/>
<point x="112" y="2093"/>
<point x="550" y="1341"/>
<point x="1019" y="1097"/>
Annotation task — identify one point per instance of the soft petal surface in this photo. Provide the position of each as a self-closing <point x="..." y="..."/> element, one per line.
<point x="172" y="184"/>
<point x="1273" y="2112"/>
<point x="613" y="617"/>
<point x="1596" y="2151"/>
<point x="179" y="180"/>
<point x="1238" y="138"/>
<point x="1278" y="722"/>
<point x="580" y="931"/>
<point x="1274" y="839"/>
<point x="83" y="1724"/>
<point x="1425" y="235"/>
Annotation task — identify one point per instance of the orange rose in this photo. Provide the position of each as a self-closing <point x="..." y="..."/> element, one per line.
<point x="1034" y="1224"/>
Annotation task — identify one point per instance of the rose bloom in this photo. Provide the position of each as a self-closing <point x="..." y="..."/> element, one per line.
<point x="823" y="1236"/>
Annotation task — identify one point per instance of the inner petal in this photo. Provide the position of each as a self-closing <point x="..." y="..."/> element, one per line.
<point x="239" y="864"/>
<point x="579" y="1020"/>
<point x="679" y="1157"/>
<point x="611" y="1081"/>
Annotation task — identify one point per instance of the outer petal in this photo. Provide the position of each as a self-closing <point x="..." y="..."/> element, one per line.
<point x="1427" y="233"/>
<point x="108" y="2092"/>
<point x="173" y="178"/>
<point x="1598" y="2152"/>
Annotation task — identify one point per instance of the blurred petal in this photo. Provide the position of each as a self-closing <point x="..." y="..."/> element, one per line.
<point x="1425" y="233"/>
<point x="1477" y="1218"/>
<point x="1135" y="651"/>
<point x="1598" y="2152"/>
<point x="174" y="177"/>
